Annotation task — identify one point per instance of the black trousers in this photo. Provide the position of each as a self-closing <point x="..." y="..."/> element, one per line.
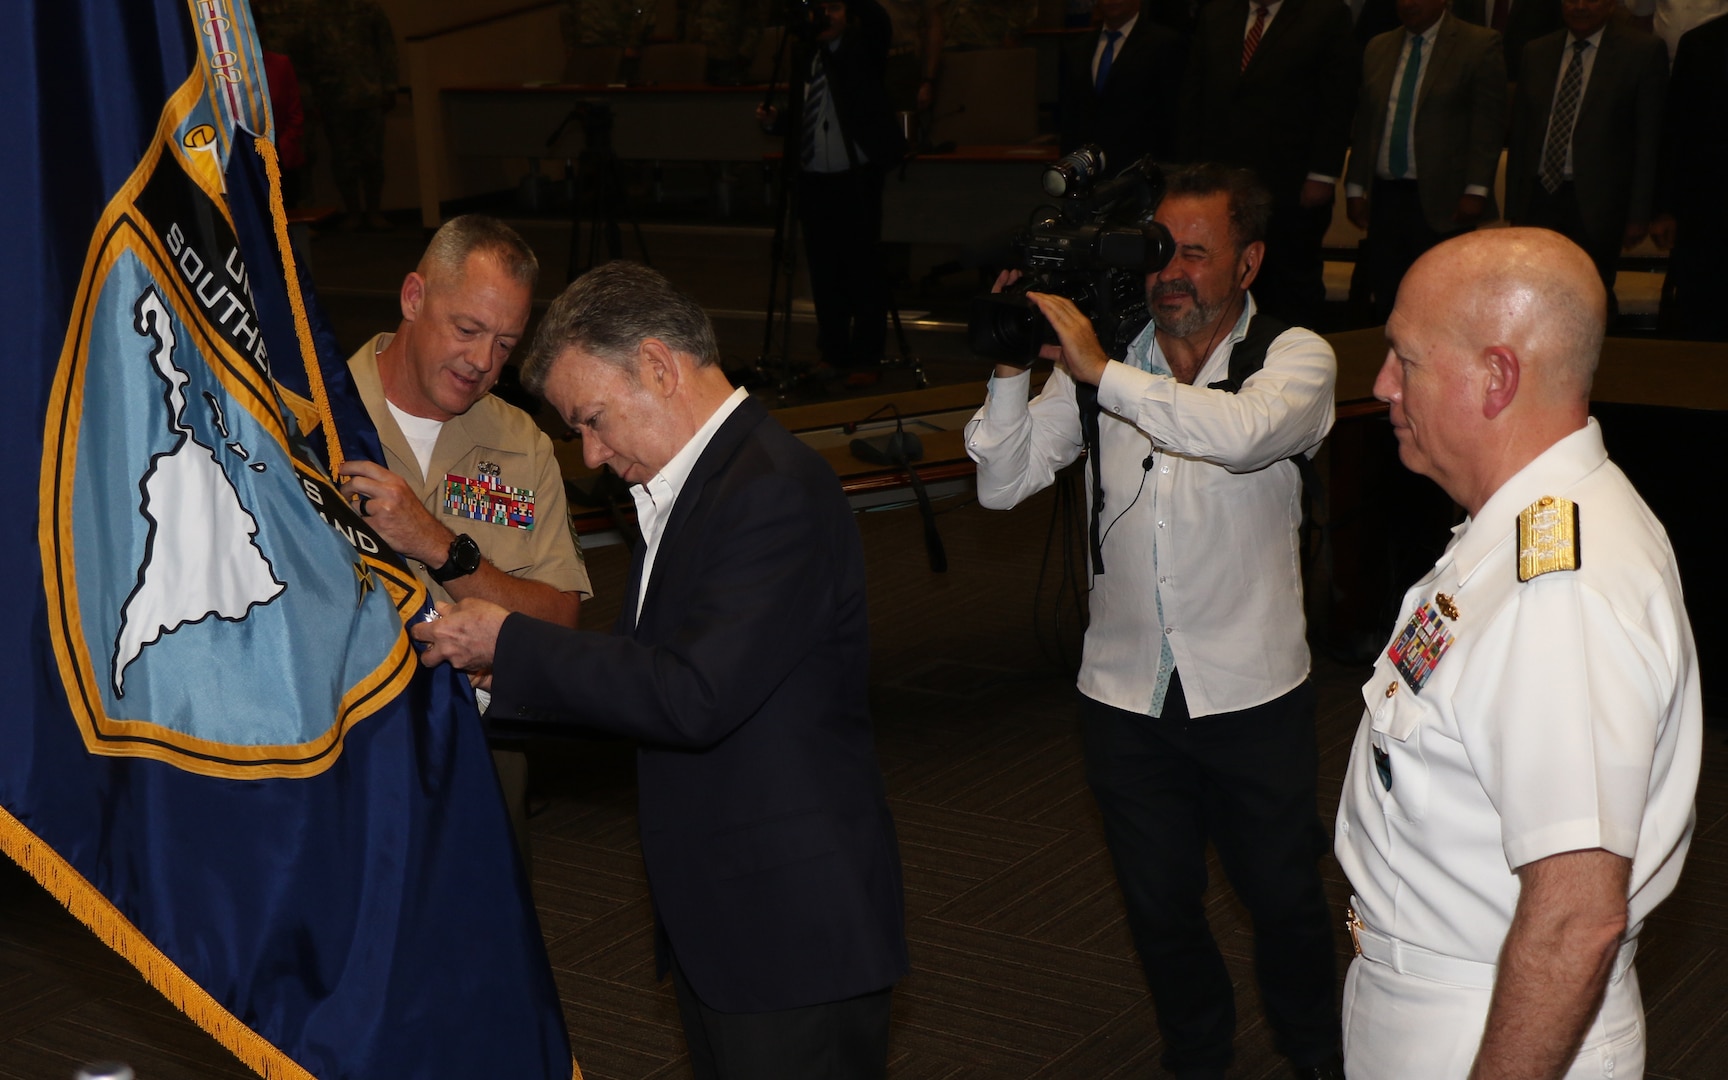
<point x="1693" y="296"/>
<point x="1398" y="235"/>
<point x="841" y="215"/>
<point x="1246" y="781"/>
<point x="1558" y="210"/>
<point x="1291" y="284"/>
<point x="840" y="1040"/>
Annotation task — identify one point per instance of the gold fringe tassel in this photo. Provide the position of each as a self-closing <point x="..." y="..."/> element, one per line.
<point x="90" y="907"/>
<point x="297" y="302"/>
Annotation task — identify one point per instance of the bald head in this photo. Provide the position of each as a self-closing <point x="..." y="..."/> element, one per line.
<point x="1494" y="342"/>
<point x="1531" y="290"/>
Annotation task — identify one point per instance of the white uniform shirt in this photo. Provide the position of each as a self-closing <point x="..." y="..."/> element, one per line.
<point x="1563" y="716"/>
<point x="1220" y="505"/>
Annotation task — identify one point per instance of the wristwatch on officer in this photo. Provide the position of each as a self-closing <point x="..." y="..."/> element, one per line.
<point x="464" y="559"/>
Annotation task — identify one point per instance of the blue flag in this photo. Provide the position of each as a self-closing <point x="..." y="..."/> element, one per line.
<point x="220" y="751"/>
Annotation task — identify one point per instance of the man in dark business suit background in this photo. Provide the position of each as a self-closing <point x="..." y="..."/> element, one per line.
<point x="1120" y="85"/>
<point x="740" y="662"/>
<point x="1272" y="87"/>
<point x="1426" y="143"/>
<point x="1691" y="182"/>
<point x="1586" y="124"/>
<point x="846" y="143"/>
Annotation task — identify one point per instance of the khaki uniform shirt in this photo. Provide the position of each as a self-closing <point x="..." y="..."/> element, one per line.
<point x="496" y="432"/>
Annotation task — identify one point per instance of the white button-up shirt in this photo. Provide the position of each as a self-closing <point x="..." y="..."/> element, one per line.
<point x="1206" y="533"/>
<point x="655" y="497"/>
<point x="1564" y="715"/>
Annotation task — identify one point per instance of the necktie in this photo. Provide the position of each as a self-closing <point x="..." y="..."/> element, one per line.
<point x="815" y="103"/>
<point x="1497" y="21"/>
<point x="1398" y="154"/>
<point x="1252" y="41"/>
<point x="1111" y="37"/>
<point x="1565" y="115"/>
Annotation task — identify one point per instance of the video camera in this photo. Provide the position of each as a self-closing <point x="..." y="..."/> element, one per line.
<point x="1095" y="247"/>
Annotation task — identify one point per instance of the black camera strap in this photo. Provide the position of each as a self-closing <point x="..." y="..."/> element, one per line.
<point x="1247" y="357"/>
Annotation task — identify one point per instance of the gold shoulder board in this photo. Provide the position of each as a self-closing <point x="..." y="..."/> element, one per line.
<point x="1548" y="537"/>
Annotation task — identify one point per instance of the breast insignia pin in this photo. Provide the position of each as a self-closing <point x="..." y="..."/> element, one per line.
<point x="1447" y="607"/>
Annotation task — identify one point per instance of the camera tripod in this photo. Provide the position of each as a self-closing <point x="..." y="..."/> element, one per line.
<point x="598" y="163"/>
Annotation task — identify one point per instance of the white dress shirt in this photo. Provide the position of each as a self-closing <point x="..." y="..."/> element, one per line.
<point x="1206" y="534"/>
<point x="1104" y="42"/>
<point x="829" y="148"/>
<point x="654" y="499"/>
<point x="1589" y="58"/>
<point x="1383" y="163"/>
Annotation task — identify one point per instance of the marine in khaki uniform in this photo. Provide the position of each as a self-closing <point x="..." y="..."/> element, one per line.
<point x="469" y="490"/>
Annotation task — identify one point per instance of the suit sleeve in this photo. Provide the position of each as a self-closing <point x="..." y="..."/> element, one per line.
<point x="1364" y="141"/>
<point x="1487" y="114"/>
<point x="767" y="597"/>
<point x="1652" y="85"/>
<point x="1338" y="80"/>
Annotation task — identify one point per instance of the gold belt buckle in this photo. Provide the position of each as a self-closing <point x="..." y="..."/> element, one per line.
<point x="1354" y="924"/>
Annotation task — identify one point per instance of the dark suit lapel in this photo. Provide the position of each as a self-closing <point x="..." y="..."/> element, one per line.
<point x="1282" y="27"/>
<point x="1445" y="50"/>
<point x="627" y="614"/>
<point x="715" y="456"/>
<point x="1604" y="75"/>
<point x="1544" y="79"/>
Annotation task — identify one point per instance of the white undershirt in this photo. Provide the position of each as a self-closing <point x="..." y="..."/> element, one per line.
<point x="421" y="433"/>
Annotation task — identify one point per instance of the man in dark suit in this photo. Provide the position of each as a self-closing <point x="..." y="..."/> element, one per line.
<point x="845" y="145"/>
<point x="1272" y="87"/>
<point x="1691" y="182"/>
<point x="1119" y="86"/>
<point x="1427" y="139"/>
<point x="1586" y="123"/>
<point x="1519" y="22"/>
<point x="740" y="664"/>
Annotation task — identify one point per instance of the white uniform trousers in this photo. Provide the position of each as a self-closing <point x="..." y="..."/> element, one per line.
<point x="1399" y="1025"/>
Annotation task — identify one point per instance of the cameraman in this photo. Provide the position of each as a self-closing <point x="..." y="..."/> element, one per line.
<point x="846" y="142"/>
<point x="1196" y="705"/>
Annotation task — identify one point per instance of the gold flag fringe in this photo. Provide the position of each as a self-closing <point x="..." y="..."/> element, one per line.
<point x="90" y="907"/>
<point x="297" y="302"/>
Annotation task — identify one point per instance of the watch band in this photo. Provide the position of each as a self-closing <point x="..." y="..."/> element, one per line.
<point x="462" y="560"/>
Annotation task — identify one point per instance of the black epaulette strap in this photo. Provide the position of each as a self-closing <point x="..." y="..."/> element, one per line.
<point x="1248" y="357"/>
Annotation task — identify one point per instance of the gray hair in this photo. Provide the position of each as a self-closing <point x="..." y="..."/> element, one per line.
<point x="609" y="312"/>
<point x="1250" y="202"/>
<point x="469" y="234"/>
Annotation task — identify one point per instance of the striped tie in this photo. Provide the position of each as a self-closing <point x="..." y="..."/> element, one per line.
<point x="815" y="102"/>
<point x="1252" y="41"/>
<point x="1398" y="154"/>
<point x="1565" y="115"/>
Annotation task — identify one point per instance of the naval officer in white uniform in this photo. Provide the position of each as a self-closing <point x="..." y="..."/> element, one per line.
<point x="1520" y="792"/>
